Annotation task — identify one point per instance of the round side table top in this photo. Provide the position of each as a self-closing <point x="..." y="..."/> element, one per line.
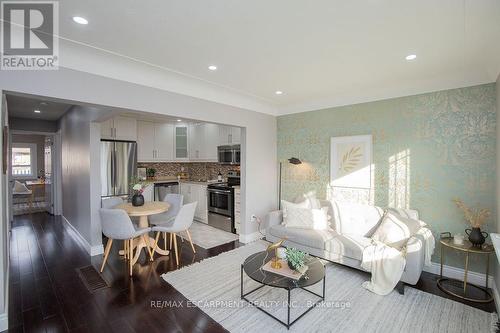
<point x="149" y="208"/>
<point x="467" y="246"/>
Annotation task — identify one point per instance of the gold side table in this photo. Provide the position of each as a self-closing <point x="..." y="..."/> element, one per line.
<point x="462" y="289"/>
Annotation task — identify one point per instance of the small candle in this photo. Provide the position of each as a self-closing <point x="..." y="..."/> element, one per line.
<point x="458" y="239"/>
<point x="281" y="252"/>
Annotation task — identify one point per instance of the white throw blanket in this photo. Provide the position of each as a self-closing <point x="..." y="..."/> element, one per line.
<point x="386" y="265"/>
<point x="429" y="244"/>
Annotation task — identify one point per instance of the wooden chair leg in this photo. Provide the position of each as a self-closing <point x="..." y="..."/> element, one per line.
<point x="146" y="240"/>
<point x="125" y="249"/>
<point x="106" y="253"/>
<point x="156" y="243"/>
<point x="190" y="241"/>
<point x="176" y="250"/>
<point x="130" y="255"/>
<point x="165" y="240"/>
<point x="171" y="240"/>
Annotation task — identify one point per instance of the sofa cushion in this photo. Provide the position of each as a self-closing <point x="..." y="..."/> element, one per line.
<point x="409" y="213"/>
<point x="348" y="245"/>
<point x="395" y="230"/>
<point x="311" y="238"/>
<point x="305" y="218"/>
<point x="355" y="219"/>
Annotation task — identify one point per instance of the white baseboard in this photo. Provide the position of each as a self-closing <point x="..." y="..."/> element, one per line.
<point x="4" y="322"/>
<point x="91" y="250"/>
<point x="458" y="273"/>
<point x="248" y="238"/>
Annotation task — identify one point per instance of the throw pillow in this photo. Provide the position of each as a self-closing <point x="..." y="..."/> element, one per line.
<point x="286" y="206"/>
<point x="314" y="202"/>
<point x="395" y="230"/>
<point x="20" y="187"/>
<point x="306" y="218"/>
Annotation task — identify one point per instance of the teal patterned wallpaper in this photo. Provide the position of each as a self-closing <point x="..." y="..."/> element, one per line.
<point x="427" y="149"/>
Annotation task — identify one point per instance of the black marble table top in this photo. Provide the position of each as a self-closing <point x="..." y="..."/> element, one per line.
<point x="253" y="268"/>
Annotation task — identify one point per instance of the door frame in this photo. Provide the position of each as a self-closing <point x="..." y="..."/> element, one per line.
<point x="56" y="191"/>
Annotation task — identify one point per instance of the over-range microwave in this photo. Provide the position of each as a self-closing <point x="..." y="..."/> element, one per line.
<point x="229" y="154"/>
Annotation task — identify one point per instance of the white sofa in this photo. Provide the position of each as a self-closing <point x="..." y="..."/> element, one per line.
<point x="352" y="225"/>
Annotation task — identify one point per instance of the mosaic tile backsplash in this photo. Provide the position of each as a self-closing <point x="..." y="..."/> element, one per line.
<point x="427" y="150"/>
<point x="197" y="171"/>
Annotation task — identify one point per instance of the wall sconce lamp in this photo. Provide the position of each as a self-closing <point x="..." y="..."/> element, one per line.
<point x="294" y="161"/>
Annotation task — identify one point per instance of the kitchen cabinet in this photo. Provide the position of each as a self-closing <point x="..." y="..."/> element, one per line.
<point x="181" y="142"/>
<point x="229" y="135"/>
<point x="119" y="128"/>
<point x="203" y="142"/>
<point x="196" y="142"/>
<point x="196" y="193"/>
<point x="154" y="142"/>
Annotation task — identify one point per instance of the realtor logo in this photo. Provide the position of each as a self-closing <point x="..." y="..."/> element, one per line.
<point x="29" y="35"/>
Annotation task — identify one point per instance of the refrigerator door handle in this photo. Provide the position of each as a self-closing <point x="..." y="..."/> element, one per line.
<point x="113" y="170"/>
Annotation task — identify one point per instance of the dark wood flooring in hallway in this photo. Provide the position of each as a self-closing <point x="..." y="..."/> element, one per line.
<point x="46" y="294"/>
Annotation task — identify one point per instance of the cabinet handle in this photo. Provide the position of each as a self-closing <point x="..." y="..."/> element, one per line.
<point x="111" y="131"/>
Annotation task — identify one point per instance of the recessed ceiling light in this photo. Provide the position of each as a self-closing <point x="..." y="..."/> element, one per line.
<point x="212" y="67"/>
<point x="179" y="119"/>
<point x="80" y="20"/>
<point x="411" y="57"/>
<point x="279" y="92"/>
<point x="44" y="103"/>
<point x="38" y="111"/>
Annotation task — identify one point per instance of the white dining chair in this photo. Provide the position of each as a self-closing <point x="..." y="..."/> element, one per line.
<point x="176" y="201"/>
<point x="117" y="225"/>
<point x="181" y="223"/>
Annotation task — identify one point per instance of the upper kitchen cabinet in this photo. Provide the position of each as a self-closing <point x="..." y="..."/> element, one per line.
<point x="203" y="142"/>
<point x="181" y="142"/>
<point x="155" y="142"/>
<point x="229" y="135"/>
<point x="164" y="142"/>
<point x="119" y="128"/>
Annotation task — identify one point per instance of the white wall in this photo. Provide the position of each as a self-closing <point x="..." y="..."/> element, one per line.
<point x="4" y="226"/>
<point x="259" y="173"/>
<point x="496" y="263"/>
<point x="79" y="197"/>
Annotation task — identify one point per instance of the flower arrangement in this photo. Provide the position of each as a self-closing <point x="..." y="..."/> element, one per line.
<point x="476" y="217"/>
<point x="295" y="258"/>
<point x="138" y="188"/>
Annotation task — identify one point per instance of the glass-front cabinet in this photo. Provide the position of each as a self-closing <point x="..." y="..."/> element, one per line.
<point x="181" y="142"/>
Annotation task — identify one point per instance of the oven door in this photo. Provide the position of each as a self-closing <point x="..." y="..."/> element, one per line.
<point x="220" y="201"/>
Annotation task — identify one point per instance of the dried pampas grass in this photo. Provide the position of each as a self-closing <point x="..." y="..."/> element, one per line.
<point x="475" y="216"/>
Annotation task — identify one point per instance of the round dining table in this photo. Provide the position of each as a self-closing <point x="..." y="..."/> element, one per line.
<point x="149" y="208"/>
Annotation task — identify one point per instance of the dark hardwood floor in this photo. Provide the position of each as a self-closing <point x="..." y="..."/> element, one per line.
<point x="46" y="294"/>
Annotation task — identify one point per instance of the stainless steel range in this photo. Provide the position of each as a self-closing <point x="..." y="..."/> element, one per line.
<point x="221" y="203"/>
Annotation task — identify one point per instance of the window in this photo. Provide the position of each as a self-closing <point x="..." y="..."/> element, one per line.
<point x="24" y="160"/>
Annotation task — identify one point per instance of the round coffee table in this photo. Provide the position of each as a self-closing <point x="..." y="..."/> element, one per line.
<point x="253" y="269"/>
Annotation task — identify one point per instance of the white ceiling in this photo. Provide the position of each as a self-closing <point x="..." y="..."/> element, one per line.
<point x="22" y="106"/>
<point x="321" y="53"/>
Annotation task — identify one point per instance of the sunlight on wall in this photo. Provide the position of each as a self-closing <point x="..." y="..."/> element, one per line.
<point x="399" y="179"/>
<point x="353" y="194"/>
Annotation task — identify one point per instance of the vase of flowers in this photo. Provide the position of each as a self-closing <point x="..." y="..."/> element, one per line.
<point x="295" y="258"/>
<point x="138" y="198"/>
<point x="476" y="217"/>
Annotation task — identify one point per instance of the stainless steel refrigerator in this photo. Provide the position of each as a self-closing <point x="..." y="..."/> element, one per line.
<point x="118" y="167"/>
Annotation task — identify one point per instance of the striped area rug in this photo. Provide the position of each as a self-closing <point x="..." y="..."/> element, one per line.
<point x="214" y="286"/>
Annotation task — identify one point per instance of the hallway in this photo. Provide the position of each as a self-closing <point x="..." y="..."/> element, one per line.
<point x="46" y="294"/>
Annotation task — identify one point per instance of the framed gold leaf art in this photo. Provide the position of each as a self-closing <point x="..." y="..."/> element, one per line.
<point x="350" y="161"/>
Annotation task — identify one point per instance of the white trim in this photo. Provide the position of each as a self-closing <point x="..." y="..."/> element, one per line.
<point x="248" y="238"/>
<point x="458" y="273"/>
<point x="4" y="322"/>
<point x="91" y="250"/>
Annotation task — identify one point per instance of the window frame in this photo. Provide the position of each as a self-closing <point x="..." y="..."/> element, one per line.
<point x="34" y="162"/>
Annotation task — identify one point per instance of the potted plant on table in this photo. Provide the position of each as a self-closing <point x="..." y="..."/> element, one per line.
<point x="295" y="258"/>
<point x="476" y="217"/>
<point x="138" y="198"/>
